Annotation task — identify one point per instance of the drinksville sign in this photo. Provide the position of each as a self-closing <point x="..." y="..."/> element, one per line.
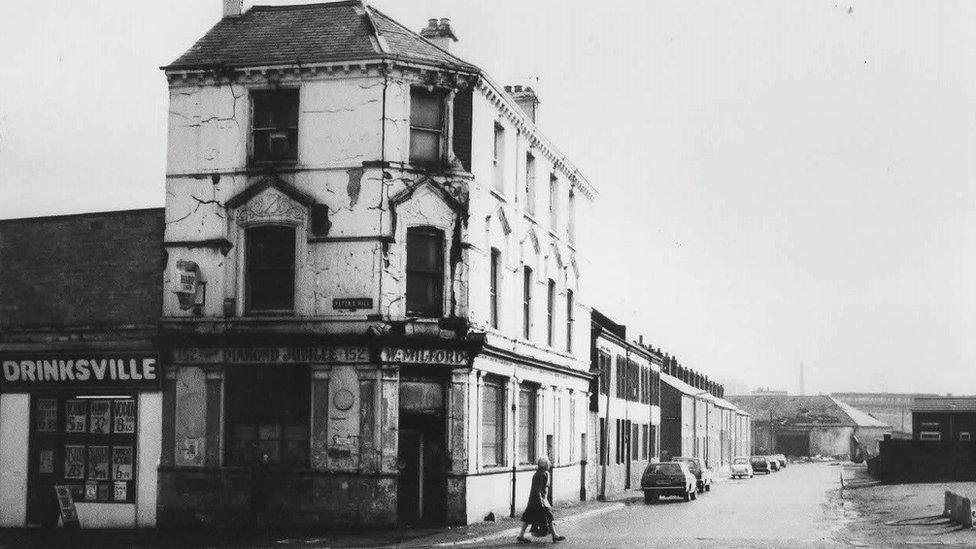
<point x="81" y="369"/>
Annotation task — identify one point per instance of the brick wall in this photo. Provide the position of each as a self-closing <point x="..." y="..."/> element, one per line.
<point x="87" y="269"/>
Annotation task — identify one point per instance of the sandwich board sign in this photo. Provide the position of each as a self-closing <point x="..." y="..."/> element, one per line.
<point x="69" y="514"/>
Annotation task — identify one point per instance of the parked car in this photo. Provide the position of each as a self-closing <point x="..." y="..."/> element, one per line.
<point x="773" y="463"/>
<point x="781" y="459"/>
<point x="741" y="468"/>
<point x="670" y="478"/>
<point x="760" y="464"/>
<point x="703" y="475"/>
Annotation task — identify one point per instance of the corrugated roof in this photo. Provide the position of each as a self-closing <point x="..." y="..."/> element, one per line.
<point x="944" y="404"/>
<point x="861" y="418"/>
<point x="308" y="34"/>
<point x="794" y="409"/>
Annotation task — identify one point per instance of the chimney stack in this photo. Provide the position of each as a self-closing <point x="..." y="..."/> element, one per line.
<point x="439" y="33"/>
<point x="526" y="99"/>
<point x="233" y="8"/>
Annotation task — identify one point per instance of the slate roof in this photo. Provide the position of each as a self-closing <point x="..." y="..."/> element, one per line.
<point x="944" y="404"/>
<point x="312" y="33"/>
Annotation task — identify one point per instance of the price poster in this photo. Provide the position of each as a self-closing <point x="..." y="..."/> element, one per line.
<point x="125" y="416"/>
<point x="121" y="491"/>
<point x="74" y="461"/>
<point x="101" y="417"/>
<point x="98" y="463"/>
<point x="75" y="416"/>
<point x="47" y="415"/>
<point x="46" y="462"/>
<point x="91" y="491"/>
<point x="122" y="463"/>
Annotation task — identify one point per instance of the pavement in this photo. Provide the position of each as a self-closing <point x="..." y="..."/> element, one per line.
<point x="802" y="506"/>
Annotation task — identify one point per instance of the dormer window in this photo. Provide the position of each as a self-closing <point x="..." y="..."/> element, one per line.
<point x="426" y="126"/>
<point x="274" y="125"/>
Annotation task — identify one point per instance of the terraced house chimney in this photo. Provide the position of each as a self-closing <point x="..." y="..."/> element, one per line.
<point x="526" y="99"/>
<point x="439" y="33"/>
<point x="233" y="8"/>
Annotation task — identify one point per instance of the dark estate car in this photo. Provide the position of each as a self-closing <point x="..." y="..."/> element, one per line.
<point x="703" y="475"/>
<point x="671" y="478"/>
<point x="760" y="464"/>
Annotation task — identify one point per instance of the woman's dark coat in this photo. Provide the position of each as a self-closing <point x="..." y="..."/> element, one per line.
<point x="538" y="510"/>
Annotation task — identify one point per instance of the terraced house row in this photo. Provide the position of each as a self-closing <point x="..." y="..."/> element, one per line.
<point x="366" y="272"/>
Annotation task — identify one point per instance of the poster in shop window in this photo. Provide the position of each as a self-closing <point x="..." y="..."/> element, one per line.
<point x="98" y="463"/>
<point x="122" y="463"/>
<point x="74" y="461"/>
<point x="101" y="417"/>
<point x="125" y="416"/>
<point x="75" y="416"/>
<point x="47" y="415"/>
<point x="45" y="464"/>
<point x="91" y="491"/>
<point x="121" y="491"/>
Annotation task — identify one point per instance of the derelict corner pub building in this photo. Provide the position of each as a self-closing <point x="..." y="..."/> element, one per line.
<point x="357" y="429"/>
<point x="84" y="416"/>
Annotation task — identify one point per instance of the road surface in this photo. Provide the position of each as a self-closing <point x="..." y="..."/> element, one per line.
<point x="790" y="508"/>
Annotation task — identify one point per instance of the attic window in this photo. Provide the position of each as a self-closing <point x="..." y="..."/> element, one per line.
<point x="426" y="125"/>
<point x="274" y="125"/>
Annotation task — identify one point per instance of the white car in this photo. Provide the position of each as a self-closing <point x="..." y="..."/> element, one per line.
<point x="741" y="468"/>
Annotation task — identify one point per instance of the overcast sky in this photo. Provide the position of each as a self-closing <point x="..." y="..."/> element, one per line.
<point x="781" y="182"/>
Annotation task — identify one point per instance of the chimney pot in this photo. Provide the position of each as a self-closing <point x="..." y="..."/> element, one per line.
<point x="439" y="33"/>
<point x="233" y="8"/>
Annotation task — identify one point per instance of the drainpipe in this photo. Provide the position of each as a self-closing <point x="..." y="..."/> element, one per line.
<point x="515" y="435"/>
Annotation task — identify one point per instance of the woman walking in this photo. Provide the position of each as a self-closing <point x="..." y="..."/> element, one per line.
<point x="538" y="512"/>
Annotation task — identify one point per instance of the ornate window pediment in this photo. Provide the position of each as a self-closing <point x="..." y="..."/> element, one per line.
<point x="271" y="201"/>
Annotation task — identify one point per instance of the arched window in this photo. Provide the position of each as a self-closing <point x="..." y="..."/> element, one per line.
<point x="425" y="272"/>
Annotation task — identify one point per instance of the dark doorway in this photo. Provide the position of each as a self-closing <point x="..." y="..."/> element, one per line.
<point x="794" y="444"/>
<point x="421" y="451"/>
<point x="627" y="453"/>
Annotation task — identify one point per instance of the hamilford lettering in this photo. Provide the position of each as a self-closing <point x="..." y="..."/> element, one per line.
<point x="85" y="370"/>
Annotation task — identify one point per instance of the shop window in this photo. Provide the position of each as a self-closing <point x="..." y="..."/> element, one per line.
<point x="87" y="442"/>
<point x="270" y="276"/>
<point x="527" y="422"/>
<point x="274" y="125"/>
<point x="496" y="259"/>
<point x="425" y="272"/>
<point x="426" y="126"/>
<point x="493" y="422"/>
<point x="930" y="435"/>
<point x="267" y="412"/>
<point x="526" y="302"/>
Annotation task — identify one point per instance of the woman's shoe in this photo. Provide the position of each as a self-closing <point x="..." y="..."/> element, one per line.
<point x="558" y="538"/>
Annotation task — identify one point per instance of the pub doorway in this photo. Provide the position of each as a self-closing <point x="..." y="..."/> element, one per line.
<point x="421" y="451"/>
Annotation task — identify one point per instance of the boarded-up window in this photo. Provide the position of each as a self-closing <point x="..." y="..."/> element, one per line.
<point x="425" y="272"/>
<point x="267" y="411"/>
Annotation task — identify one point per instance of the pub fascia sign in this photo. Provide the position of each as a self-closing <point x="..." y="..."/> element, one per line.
<point x="80" y="369"/>
<point x="351" y="354"/>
